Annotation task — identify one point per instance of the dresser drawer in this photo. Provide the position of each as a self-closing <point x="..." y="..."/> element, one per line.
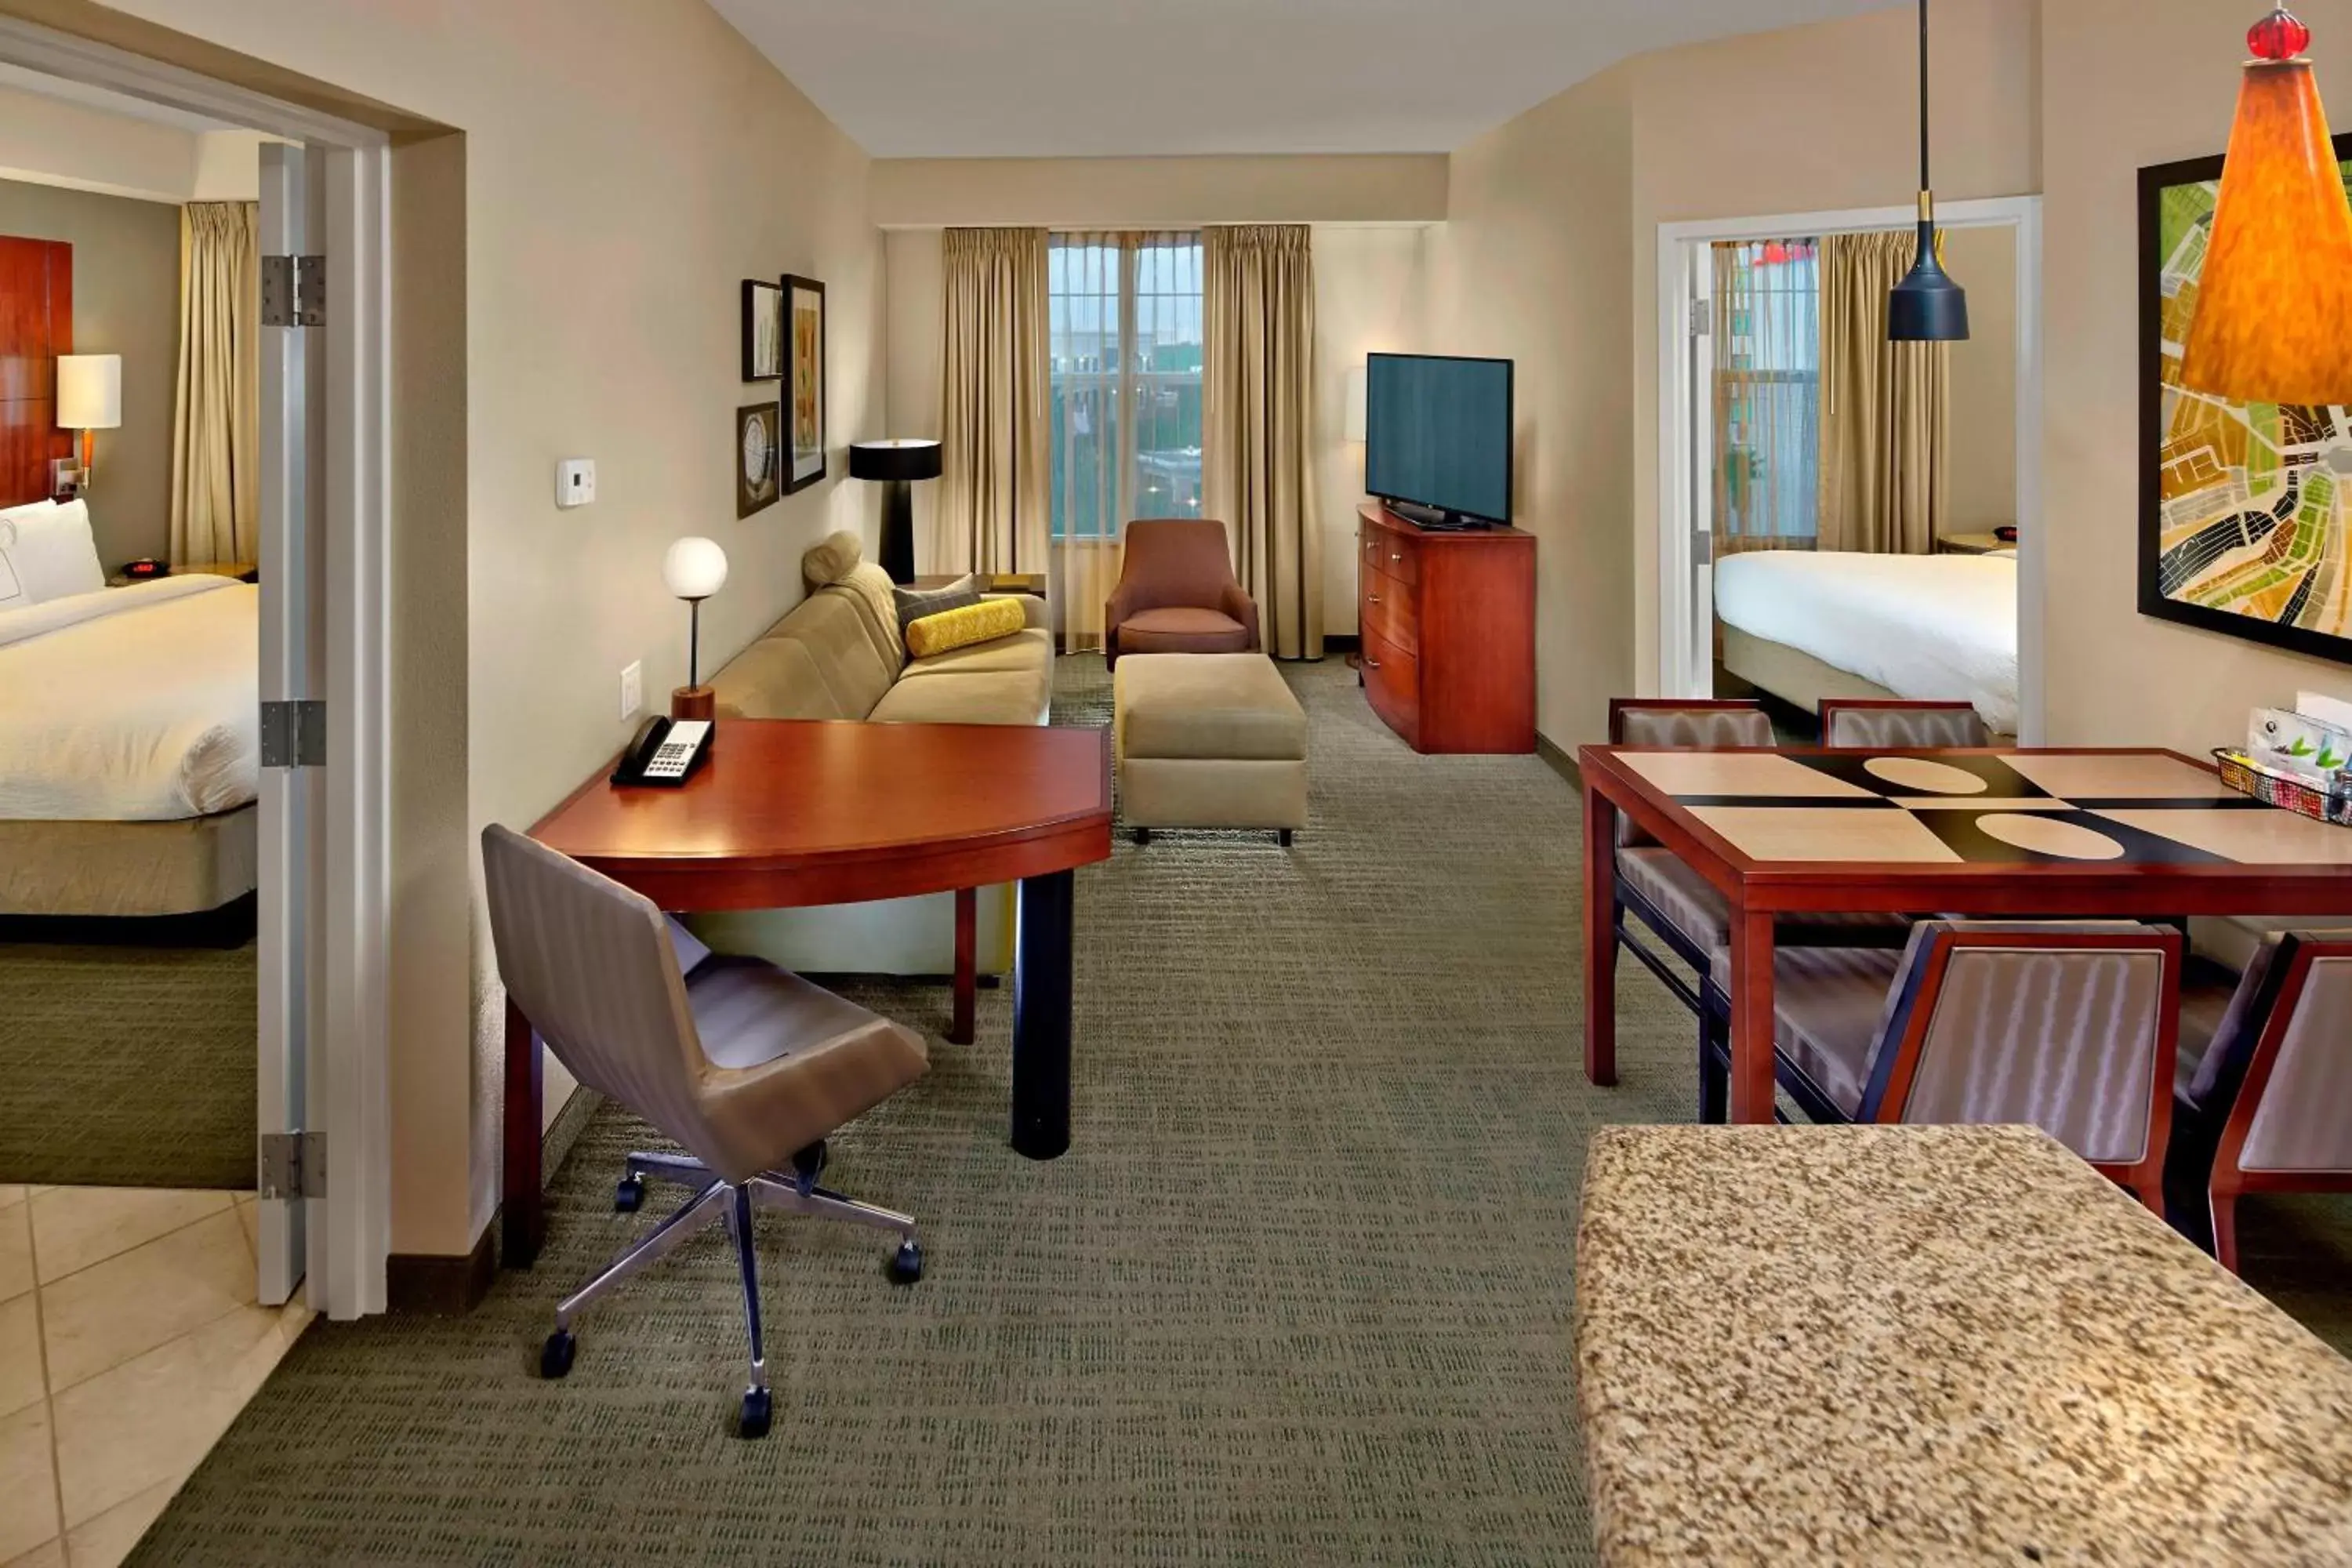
<point x="1391" y="552"/>
<point x="1385" y="608"/>
<point x="1393" y="684"/>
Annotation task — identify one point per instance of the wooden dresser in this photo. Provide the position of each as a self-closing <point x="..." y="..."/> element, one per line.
<point x="1448" y="623"/>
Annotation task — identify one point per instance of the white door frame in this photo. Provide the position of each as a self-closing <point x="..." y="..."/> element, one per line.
<point x="1681" y="247"/>
<point x="349" y="1229"/>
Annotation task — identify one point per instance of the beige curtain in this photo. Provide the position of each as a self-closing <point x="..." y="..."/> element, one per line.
<point x="1256" y="413"/>
<point x="1885" y="407"/>
<point x="1766" y="394"/>
<point x="216" y="422"/>
<point x="994" y="501"/>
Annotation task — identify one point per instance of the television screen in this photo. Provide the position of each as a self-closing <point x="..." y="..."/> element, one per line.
<point x="1437" y="432"/>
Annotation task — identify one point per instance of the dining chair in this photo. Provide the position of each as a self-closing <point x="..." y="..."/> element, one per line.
<point x="2069" y="1025"/>
<point x="2263" y="1089"/>
<point x="1900" y="725"/>
<point x="749" y="1067"/>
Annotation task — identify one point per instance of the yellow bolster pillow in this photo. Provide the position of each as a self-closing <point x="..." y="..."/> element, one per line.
<point x="964" y="626"/>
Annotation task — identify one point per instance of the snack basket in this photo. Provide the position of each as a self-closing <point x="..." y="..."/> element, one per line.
<point x="2285" y="791"/>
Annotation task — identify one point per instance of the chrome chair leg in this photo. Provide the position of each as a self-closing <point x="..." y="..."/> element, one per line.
<point x="655" y="1244"/>
<point x="758" y="1408"/>
<point x="780" y="1192"/>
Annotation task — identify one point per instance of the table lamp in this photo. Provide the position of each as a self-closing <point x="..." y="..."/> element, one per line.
<point x="896" y="464"/>
<point x="693" y="570"/>
<point x="89" y="398"/>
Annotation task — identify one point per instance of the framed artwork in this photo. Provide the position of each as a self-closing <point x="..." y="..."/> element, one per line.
<point x="757" y="455"/>
<point x="2244" y="521"/>
<point x="763" y="330"/>
<point x="803" y="383"/>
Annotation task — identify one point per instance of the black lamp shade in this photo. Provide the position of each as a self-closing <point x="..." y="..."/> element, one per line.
<point x="900" y="460"/>
<point x="1928" y="307"/>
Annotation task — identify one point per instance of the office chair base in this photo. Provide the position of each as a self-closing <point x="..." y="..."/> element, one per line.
<point x="758" y="1410"/>
<point x="907" y="1267"/>
<point x="629" y="1196"/>
<point x="555" y="1355"/>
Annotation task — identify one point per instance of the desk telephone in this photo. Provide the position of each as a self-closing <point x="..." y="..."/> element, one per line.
<point x="666" y="753"/>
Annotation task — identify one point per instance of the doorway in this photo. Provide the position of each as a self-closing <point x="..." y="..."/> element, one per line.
<point x="1739" y="361"/>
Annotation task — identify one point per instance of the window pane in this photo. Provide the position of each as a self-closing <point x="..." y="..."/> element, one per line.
<point x="1126" y="380"/>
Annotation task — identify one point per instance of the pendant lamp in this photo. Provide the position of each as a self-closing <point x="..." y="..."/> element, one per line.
<point x="2273" y="322"/>
<point x="1926" y="307"/>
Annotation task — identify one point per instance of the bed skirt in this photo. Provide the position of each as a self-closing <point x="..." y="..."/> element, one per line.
<point x="129" y="867"/>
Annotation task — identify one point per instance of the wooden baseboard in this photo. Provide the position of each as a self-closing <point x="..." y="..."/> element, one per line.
<point x="438" y="1285"/>
<point x="1558" y="759"/>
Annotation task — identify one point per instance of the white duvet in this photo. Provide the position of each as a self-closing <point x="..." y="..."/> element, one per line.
<point x="136" y="704"/>
<point x="1936" y="626"/>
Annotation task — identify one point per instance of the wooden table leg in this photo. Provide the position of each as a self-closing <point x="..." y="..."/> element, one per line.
<point x="523" y="1204"/>
<point x="1600" y="938"/>
<point x="1751" y="1016"/>
<point x="1042" y="965"/>
<point x="967" y="948"/>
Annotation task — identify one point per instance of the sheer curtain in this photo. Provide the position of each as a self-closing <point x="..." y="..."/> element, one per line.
<point x="1885" y="407"/>
<point x="216" y="422"/>
<point x="1768" y="395"/>
<point x="991" y="511"/>
<point x="1125" y="309"/>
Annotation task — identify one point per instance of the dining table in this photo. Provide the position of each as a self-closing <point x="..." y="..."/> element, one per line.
<point x="1993" y="832"/>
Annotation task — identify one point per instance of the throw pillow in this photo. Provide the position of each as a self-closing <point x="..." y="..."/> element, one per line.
<point x="914" y="603"/>
<point x="983" y="622"/>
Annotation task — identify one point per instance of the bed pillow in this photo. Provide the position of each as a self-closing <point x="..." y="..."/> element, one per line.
<point x="48" y="554"/>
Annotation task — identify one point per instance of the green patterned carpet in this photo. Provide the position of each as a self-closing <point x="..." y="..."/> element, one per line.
<point x="1299" y="1294"/>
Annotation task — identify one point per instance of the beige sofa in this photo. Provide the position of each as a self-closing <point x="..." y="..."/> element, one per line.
<point x="839" y="655"/>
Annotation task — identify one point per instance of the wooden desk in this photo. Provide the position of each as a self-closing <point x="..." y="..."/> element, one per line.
<point x="2038" y="834"/>
<point x="788" y="813"/>
<point x="1931" y="1344"/>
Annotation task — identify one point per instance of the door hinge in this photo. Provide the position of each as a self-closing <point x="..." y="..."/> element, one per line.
<point x="1702" y="318"/>
<point x="1702" y="547"/>
<point x="294" y="1164"/>
<point x="294" y="734"/>
<point x="293" y="291"/>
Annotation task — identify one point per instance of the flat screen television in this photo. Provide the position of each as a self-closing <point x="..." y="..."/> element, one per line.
<point x="1437" y="437"/>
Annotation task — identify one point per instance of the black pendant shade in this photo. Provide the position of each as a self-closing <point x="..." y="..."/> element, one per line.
<point x="907" y="459"/>
<point x="1928" y="307"/>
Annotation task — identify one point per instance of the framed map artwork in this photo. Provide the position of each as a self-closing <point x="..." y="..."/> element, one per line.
<point x="2245" y="520"/>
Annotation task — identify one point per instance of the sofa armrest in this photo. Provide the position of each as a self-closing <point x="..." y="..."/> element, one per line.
<point x="1033" y="610"/>
<point x="1243" y="608"/>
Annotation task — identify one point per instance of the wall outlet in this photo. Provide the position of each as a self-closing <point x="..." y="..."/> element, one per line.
<point x="633" y="688"/>
<point x="575" y="482"/>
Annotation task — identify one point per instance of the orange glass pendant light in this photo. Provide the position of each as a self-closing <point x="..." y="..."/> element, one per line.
<point x="2273" y="321"/>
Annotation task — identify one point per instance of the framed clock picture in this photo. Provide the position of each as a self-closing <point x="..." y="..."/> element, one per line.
<point x="803" y="383"/>
<point x="758" y="449"/>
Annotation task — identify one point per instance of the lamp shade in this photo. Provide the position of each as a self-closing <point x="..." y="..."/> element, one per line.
<point x="2274" y="319"/>
<point x="695" y="569"/>
<point x="904" y="460"/>
<point x="1928" y="307"/>
<point x="90" y="392"/>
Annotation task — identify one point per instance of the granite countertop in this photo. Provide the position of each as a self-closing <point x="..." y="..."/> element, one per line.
<point x="1891" y="1345"/>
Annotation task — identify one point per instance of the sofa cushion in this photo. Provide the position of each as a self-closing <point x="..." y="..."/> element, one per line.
<point x="776" y="677"/>
<point x="966" y="625"/>
<point x="830" y="625"/>
<point x="978" y="697"/>
<point x="1030" y="648"/>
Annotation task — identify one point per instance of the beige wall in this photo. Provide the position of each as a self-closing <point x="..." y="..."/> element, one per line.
<point x="1158" y="193"/>
<point x="50" y="142"/>
<point x="626" y="163"/>
<point x="1368" y="293"/>
<point x="1984" y="381"/>
<point x="127" y="302"/>
<point x="2163" y="89"/>
<point x="1534" y="264"/>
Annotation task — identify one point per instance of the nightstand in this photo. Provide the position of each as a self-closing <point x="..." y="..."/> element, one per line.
<point x="243" y="570"/>
<point x="1971" y="543"/>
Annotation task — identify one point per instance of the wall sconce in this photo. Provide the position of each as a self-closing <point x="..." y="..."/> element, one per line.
<point x="89" y="398"/>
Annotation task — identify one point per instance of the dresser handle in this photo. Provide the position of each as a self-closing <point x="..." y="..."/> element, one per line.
<point x="1376" y="598"/>
<point x="1371" y="664"/>
<point x="1396" y="555"/>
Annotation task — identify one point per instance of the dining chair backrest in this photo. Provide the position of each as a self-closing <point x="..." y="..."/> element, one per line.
<point x="1900" y="726"/>
<point x="2281" y="1059"/>
<point x="1702" y="724"/>
<point x="2069" y="1025"/>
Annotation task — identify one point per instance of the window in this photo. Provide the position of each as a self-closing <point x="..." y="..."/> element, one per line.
<point x="1767" y="391"/>
<point x="1125" y="311"/>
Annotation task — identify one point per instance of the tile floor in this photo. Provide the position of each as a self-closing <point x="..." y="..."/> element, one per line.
<point x="129" y="1340"/>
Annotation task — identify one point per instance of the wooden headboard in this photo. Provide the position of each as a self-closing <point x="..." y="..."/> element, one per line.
<point x="36" y="326"/>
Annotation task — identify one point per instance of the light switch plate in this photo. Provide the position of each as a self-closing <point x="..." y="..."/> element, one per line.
<point x="575" y="482"/>
<point x="633" y="688"/>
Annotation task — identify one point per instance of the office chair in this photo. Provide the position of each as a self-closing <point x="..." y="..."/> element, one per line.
<point x="747" y="1067"/>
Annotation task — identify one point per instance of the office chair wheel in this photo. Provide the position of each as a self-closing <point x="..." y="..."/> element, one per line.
<point x="810" y="1162"/>
<point x="629" y="1196"/>
<point x="555" y="1355"/>
<point x="907" y="1266"/>
<point x="758" y="1408"/>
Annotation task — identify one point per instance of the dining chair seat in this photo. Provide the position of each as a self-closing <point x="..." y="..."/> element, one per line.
<point x="1701" y="917"/>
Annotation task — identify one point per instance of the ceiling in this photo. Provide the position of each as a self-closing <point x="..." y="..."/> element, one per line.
<point x="911" y="78"/>
<point x="17" y="78"/>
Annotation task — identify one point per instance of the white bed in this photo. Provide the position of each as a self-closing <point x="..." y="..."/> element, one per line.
<point x="1933" y="627"/>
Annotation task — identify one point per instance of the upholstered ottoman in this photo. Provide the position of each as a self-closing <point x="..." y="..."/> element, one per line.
<point x="1208" y="740"/>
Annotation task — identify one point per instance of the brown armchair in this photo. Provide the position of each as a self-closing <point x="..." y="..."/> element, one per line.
<point x="1177" y="593"/>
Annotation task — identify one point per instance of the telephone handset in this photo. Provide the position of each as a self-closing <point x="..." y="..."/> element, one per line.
<point x="666" y="753"/>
